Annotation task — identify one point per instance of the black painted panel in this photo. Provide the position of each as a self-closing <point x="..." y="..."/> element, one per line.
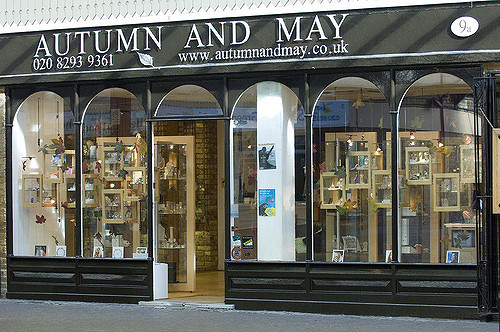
<point x="386" y="288"/>
<point x="81" y="279"/>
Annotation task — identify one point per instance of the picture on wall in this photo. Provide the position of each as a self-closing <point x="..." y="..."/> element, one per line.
<point x="40" y="251"/>
<point x="453" y="257"/>
<point x="338" y="256"/>
<point x="267" y="202"/>
<point x="267" y="156"/>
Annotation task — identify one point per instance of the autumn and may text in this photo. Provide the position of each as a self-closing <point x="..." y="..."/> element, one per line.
<point x="200" y="36"/>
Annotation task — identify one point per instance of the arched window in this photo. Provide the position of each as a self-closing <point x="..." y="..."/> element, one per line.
<point x="114" y="176"/>
<point x="437" y="171"/>
<point x="351" y="173"/>
<point x="267" y="173"/>
<point x="43" y="178"/>
<point x="189" y="100"/>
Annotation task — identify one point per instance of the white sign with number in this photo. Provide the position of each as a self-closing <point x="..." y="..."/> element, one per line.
<point x="464" y="26"/>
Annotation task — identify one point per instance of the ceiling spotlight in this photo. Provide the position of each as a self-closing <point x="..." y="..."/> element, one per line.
<point x="440" y="144"/>
<point x="349" y="140"/>
<point x="412" y="135"/>
<point x="379" y="149"/>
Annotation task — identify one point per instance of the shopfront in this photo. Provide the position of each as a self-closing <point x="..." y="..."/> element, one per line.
<point x="329" y="162"/>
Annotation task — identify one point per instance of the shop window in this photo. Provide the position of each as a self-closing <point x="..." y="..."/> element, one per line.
<point x="114" y="176"/>
<point x="189" y="100"/>
<point x="352" y="191"/>
<point x="43" y="173"/>
<point x="268" y="175"/>
<point x="437" y="171"/>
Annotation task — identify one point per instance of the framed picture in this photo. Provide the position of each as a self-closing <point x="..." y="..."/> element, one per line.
<point x="61" y="251"/>
<point x="452" y="257"/>
<point x="41" y="251"/>
<point x="388" y="256"/>
<point x="117" y="252"/>
<point x="463" y="238"/>
<point x="338" y="256"/>
<point x="98" y="252"/>
<point x="141" y="252"/>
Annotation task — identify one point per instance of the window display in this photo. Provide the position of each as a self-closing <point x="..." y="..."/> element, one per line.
<point x="114" y="175"/>
<point x="350" y="124"/>
<point x="437" y="140"/>
<point x="42" y="176"/>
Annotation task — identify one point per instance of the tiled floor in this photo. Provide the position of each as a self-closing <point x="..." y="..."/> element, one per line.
<point x="209" y="289"/>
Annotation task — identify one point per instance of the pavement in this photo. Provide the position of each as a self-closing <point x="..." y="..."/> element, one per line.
<point x="40" y="316"/>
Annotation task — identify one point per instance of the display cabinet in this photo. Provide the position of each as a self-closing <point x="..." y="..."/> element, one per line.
<point x="69" y="190"/>
<point x="358" y="166"/>
<point x="90" y="190"/>
<point x="112" y="163"/>
<point x="175" y="208"/>
<point x="52" y="164"/>
<point x="50" y="193"/>
<point x="382" y="187"/>
<point x="135" y="183"/>
<point x="467" y="164"/>
<point x="446" y="194"/>
<point x="418" y="165"/>
<point x="332" y="190"/>
<point x="68" y="167"/>
<point x="112" y="208"/>
<point x="32" y="190"/>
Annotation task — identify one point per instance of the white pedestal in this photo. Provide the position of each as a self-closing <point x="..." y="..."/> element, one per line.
<point x="160" y="281"/>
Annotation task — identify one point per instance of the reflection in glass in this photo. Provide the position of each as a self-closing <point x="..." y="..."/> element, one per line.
<point x="189" y="100"/>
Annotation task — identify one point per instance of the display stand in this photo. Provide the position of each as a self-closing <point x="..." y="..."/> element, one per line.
<point x="418" y="165"/>
<point x="446" y="194"/>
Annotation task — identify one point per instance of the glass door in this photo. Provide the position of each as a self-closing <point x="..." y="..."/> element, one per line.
<point x="175" y="210"/>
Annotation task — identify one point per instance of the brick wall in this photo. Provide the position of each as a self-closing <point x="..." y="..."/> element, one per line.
<point x="3" y="249"/>
<point x="205" y="134"/>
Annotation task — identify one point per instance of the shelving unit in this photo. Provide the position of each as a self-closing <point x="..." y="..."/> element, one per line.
<point x="175" y="209"/>
<point x="52" y="164"/>
<point x="112" y="209"/>
<point x="467" y="164"/>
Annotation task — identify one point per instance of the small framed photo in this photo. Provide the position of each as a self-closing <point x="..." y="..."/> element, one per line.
<point x="98" y="252"/>
<point x="117" y="252"/>
<point x="452" y="257"/>
<point x="338" y="256"/>
<point x="41" y="251"/>
<point x="140" y="252"/>
<point x="61" y="251"/>
<point x="388" y="256"/>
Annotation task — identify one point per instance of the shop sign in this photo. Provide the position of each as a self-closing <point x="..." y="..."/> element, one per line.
<point x="286" y="39"/>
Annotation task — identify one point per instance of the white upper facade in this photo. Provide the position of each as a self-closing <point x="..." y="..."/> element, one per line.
<point x="36" y="15"/>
